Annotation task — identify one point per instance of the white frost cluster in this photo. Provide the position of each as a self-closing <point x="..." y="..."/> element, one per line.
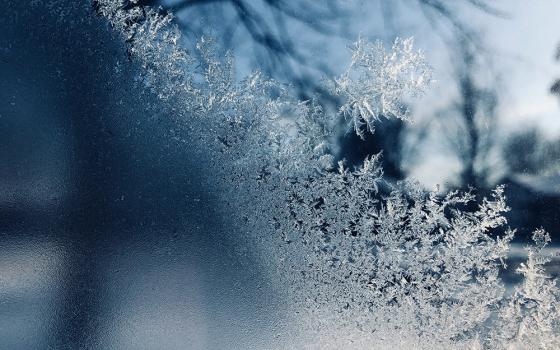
<point x="377" y="82"/>
<point x="530" y="318"/>
<point x="420" y="267"/>
<point x="255" y="122"/>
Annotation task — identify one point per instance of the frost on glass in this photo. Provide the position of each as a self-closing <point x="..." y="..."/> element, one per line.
<point x="377" y="82"/>
<point x="530" y="318"/>
<point x="400" y="267"/>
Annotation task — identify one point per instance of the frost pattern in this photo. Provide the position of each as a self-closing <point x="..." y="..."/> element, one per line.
<point x="377" y="82"/>
<point x="420" y="267"/>
<point x="152" y="38"/>
<point x="416" y="263"/>
<point x="255" y="123"/>
<point x="408" y="269"/>
<point x="530" y="319"/>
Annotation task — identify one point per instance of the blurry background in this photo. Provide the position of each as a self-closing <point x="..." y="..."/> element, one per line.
<point x="109" y="233"/>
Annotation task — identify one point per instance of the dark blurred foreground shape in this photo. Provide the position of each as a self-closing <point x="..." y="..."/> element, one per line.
<point x="110" y="236"/>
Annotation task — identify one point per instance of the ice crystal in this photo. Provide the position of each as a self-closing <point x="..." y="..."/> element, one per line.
<point x="377" y="82"/>
<point x="417" y="262"/>
<point x="530" y="318"/>
<point x="152" y="38"/>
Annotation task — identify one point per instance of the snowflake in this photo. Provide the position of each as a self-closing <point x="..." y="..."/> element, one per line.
<point x="377" y="82"/>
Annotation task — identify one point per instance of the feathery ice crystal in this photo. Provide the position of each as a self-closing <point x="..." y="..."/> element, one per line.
<point x="377" y="82"/>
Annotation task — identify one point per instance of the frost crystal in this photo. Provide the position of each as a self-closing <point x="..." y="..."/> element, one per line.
<point x="415" y="263"/>
<point x="530" y="318"/>
<point x="152" y="39"/>
<point x="377" y="82"/>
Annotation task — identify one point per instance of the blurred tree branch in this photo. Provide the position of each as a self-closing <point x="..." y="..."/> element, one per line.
<point x="555" y="88"/>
